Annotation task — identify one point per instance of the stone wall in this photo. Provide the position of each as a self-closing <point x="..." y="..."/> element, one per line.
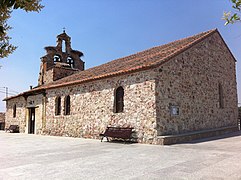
<point x="190" y="82"/>
<point x="56" y="56"/>
<point x="48" y="76"/>
<point x="2" y="121"/>
<point x="61" y="72"/>
<point x="2" y="117"/>
<point x="37" y="102"/>
<point x="92" y="107"/>
<point x="56" y="73"/>
<point x="20" y="113"/>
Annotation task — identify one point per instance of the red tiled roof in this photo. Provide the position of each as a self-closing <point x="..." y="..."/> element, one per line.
<point x="142" y="60"/>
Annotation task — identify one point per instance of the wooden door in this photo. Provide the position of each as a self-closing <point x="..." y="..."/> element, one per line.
<point x="31" y="120"/>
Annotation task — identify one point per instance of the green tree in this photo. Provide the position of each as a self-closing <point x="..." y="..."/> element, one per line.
<point x="6" y="8"/>
<point x="232" y="17"/>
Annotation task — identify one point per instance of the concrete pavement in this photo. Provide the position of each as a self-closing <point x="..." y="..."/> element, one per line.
<point x="24" y="156"/>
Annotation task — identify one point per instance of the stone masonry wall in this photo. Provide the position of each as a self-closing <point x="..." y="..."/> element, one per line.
<point x="61" y="72"/>
<point x="36" y="101"/>
<point x="56" y="73"/>
<point x="2" y="117"/>
<point x="2" y="121"/>
<point x="92" y="107"/>
<point x="48" y="76"/>
<point x="20" y="113"/>
<point x="191" y="81"/>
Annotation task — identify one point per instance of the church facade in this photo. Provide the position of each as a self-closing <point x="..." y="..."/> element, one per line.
<point x="171" y="93"/>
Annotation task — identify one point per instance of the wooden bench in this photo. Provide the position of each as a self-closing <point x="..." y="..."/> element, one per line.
<point x="12" y="129"/>
<point x="123" y="133"/>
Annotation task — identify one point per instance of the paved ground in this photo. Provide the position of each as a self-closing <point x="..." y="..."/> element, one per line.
<point x="25" y="156"/>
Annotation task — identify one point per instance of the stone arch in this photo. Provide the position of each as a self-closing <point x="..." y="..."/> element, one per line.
<point x="70" y="61"/>
<point x="57" y="58"/>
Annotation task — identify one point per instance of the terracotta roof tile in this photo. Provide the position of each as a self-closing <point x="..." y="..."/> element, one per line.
<point x="142" y="60"/>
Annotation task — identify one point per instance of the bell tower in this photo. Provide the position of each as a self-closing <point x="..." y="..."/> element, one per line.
<point x="60" y="61"/>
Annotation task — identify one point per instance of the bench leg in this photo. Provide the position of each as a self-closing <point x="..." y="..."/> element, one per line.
<point x="103" y="138"/>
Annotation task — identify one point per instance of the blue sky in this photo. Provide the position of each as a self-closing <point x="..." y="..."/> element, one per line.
<point x="108" y="29"/>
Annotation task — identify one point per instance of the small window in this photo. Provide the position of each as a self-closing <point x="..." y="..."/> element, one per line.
<point x="14" y="110"/>
<point x="174" y="110"/>
<point x="67" y="105"/>
<point x="119" y="100"/>
<point x="58" y="106"/>
<point x="57" y="58"/>
<point x="70" y="61"/>
<point x="63" y="46"/>
<point x="220" y="93"/>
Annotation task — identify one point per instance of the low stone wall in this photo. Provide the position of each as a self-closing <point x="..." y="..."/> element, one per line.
<point x="20" y="118"/>
<point x="2" y="121"/>
<point x="180" y="138"/>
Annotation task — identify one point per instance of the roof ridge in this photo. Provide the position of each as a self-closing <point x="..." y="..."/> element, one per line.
<point x="172" y="42"/>
<point x="139" y="52"/>
<point x="141" y="60"/>
<point x="204" y="35"/>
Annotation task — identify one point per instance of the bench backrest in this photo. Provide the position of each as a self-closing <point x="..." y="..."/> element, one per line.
<point x="14" y="127"/>
<point x="118" y="132"/>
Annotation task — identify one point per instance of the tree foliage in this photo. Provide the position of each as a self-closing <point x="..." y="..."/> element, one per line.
<point x="232" y="17"/>
<point x="6" y="8"/>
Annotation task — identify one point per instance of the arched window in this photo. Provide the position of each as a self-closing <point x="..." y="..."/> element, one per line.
<point x="119" y="100"/>
<point x="220" y="93"/>
<point x="70" y="61"/>
<point x="14" y="110"/>
<point x="67" y="105"/>
<point x="58" y="106"/>
<point x="57" y="58"/>
<point x="63" y="46"/>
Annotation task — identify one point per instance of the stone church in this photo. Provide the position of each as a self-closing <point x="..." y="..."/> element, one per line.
<point x="175" y="92"/>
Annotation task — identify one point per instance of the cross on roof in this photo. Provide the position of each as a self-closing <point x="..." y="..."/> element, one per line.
<point x="64" y="29"/>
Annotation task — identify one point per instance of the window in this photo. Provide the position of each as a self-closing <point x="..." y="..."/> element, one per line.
<point x="58" y="106"/>
<point x="70" y="61"/>
<point x="67" y="105"/>
<point x="14" y="110"/>
<point x="57" y="58"/>
<point x="63" y="46"/>
<point x="220" y="93"/>
<point x="174" y="110"/>
<point x="119" y="100"/>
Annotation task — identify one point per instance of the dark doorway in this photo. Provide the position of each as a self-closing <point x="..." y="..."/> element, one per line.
<point x="31" y="121"/>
